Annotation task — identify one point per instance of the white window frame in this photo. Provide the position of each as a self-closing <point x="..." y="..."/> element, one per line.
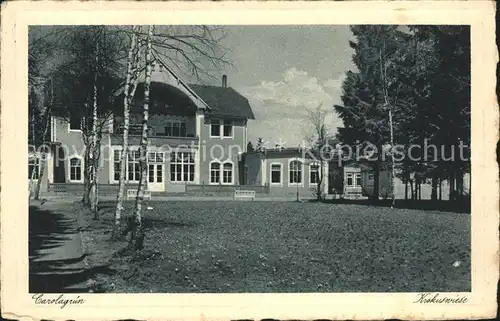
<point x="137" y="160"/>
<point x="82" y="166"/>
<point x="182" y="163"/>
<point x="211" y="124"/>
<point x="113" y="161"/>
<point x="231" y="122"/>
<point x="36" y="165"/>
<point x="290" y="161"/>
<point x="222" y="173"/>
<point x="221" y="128"/>
<point x="354" y="176"/>
<point x="310" y="173"/>
<point x="75" y="130"/>
<point x="280" y="183"/>
<point x="210" y="172"/>
<point x="154" y="162"/>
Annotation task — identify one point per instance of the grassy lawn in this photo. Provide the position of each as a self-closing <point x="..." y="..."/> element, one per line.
<point x="286" y="247"/>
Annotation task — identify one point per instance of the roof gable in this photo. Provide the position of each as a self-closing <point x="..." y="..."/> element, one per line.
<point x="224" y="101"/>
<point x="162" y="74"/>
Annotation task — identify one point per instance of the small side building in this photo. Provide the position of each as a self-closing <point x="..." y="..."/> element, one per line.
<point x="286" y="171"/>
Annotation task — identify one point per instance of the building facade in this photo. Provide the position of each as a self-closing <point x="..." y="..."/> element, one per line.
<point x="286" y="172"/>
<point x="197" y="134"/>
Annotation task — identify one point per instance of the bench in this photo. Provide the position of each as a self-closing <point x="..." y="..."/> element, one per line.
<point x="132" y="193"/>
<point x="244" y="194"/>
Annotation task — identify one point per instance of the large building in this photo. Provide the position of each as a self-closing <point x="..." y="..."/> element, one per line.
<point x="197" y="135"/>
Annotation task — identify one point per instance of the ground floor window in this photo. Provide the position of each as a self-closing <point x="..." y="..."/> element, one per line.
<point x="295" y="172"/>
<point x="227" y="177"/>
<point x="182" y="167"/>
<point x="353" y="179"/>
<point x="116" y="164"/>
<point x="33" y="167"/>
<point x="221" y="173"/>
<point x="214" y="173"/>
<point x="276" y="174"/>
<point x="75" y="169"/>
<point x="133" y="168"/>
<point x="314" y="174"/>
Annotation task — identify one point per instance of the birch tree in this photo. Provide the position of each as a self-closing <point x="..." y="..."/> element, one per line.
<point x="129" y="92"/>
<point x="137" y="235"/>
<point x="47" y="113"/>
<point x="84" y="82"/>
<point x="40" y="98"/>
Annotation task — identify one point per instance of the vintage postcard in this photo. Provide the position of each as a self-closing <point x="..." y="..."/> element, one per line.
<point x="223" y="161"/>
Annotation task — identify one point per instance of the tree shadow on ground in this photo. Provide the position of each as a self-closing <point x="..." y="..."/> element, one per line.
<point x="459" y="206"/>
<point x="49" y="230"/>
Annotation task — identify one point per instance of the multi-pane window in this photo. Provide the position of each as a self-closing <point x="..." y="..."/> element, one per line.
<point x="227" y="174"/>
<point x="133" y="168"/>
<point x="176" y="129"/>
<point x="353" y="179"/>
<point x="276" y="174"/>
<point x="116" y="164"/>
<point x="155" y="157"/>
<point x="214" y="173"/>
<point x="314" y="174"/>
<point x="295" y="172"/>
<point x="215" y="128"/>
<point x="358" y="179"/>
<point x="221" y="128"/>
<point x="182" y="167"/>
<point x="155" y="167"/>
<point x="33" y="168"/>
<point x="228" y="128"/>
<point x="75" y="169"/>
<point x="221" y="173"/>
<point x="350" y="179"/>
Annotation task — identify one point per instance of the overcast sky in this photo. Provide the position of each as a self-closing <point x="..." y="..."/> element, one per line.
<point x="283" y="70"/>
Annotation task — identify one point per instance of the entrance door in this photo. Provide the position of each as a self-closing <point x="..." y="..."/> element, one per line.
<point x="156" y="172"/>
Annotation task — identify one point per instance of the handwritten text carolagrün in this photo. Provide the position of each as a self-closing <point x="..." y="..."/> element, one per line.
<point x="61" y="300"/>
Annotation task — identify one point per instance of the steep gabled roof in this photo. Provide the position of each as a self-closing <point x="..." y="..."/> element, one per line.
<point x="224" y="101"/>
<point x="219" y="101"/>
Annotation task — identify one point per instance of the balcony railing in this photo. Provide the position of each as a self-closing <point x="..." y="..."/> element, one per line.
<point x="137" y="130"/>
<point x="155" y="139"/>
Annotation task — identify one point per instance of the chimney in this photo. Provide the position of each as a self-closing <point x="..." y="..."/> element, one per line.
<point x="224" y="81"/>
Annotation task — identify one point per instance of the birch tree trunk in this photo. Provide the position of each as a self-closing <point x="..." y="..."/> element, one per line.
<point x="96" y="157"/>
<point x="46" y="122"/>
<point x="32" y="176"/>
<point x="94" y="147"/>
<point x="86" y="169"/>
<point x="43" y="161"/>
<point x="137" y="235"/>
<point x="128" y="95"/>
